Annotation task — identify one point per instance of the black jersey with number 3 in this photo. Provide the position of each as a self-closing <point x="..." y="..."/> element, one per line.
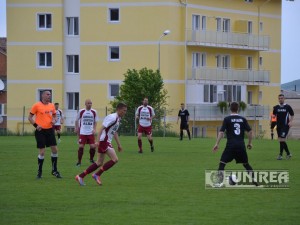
<point x="235" y="127"/>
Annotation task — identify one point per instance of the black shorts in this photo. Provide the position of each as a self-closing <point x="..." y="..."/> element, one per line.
<point x="273" y="124"/>
<point x="240" y="155"/>
<point x="184" y="126"/>
<point x="282" y="132"/>
<point x="45" y="138"/>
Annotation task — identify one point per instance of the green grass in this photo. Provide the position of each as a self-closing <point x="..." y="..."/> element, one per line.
<point x="164" y="187"/>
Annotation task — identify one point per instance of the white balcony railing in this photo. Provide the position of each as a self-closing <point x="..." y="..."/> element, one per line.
<point x="228" y="39"/>
<point x="200" y="112"/>
<point x="234" y="75"/>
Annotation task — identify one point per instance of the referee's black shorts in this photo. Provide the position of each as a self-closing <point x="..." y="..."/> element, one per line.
<point x="239" y="154"/>
<point x="45" y="138"/>
<point x="184" y="126"/>
<point x="282" y="131"/>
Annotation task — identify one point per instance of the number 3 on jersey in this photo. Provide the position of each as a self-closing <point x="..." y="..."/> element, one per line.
<point x="237" y="129"/>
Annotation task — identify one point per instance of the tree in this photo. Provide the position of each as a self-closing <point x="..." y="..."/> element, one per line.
<point x="136" y="86"/>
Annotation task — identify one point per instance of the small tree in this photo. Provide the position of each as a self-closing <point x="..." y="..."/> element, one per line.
<point x="136" y="86"/>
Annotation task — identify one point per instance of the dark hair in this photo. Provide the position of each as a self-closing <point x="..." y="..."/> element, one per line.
<point x="281" y="95"/>
<point x="121" y="105"/>
<point x="234" y="107"/>
<point x="56" y="103"/>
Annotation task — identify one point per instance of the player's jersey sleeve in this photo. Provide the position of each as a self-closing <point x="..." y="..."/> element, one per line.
<point x="179" y="113"/>
<point x="34" y="109"/>
<point x="96" y="116"/>
<point x="247" y="126"/>
<point x="108" y="120"/>
<point x="274" y="110"/>
<point x="53" y="109"/>
<point x="290" y="110"/>
<point x="223" y="128"/>
<point x="137" y="113"/>
<point x="187" y="113"/>
<point x="78" y="115"/>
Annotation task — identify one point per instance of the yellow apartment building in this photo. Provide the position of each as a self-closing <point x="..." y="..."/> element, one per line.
<point x="220" y="50"/>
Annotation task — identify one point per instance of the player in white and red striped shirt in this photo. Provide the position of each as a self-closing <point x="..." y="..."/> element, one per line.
<point x="85" y="127"/>
<point x="145" y="114"/>
<point x="107" y="132"/>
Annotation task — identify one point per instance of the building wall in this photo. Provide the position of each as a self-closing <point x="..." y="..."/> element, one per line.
<point x="137" y="34"/>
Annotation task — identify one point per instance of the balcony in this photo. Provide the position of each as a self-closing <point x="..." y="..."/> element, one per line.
<point x="209" y="112"/>
<point x="255" y="77"/>
<point x="228" y="40"/>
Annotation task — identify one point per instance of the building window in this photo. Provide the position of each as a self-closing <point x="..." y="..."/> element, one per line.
<point x="249" y="27"/>
<point x="39" y="94"/>
<point x="219" y="24"/>
<point x="203" y="20"/>
<point x="114" y="15"/>
<point x="223" y="61"/>
<point x="72" y="26"/>
<point x="114" y="53"/>
<point x="114" y="90"/>
<point x="249" y="97"/>
<point x="44" y="59"/>
<point x="249" y="1"/>
<point x="2" y="110"/>
<point x="249" y="62"/>
<point x="199" y="59"/>
<point x="44" y="21"/>
<point x="226" y="25"/>
<point x="233" y="93"/>
<point x="196" y="22"/>
<point x="260" y="60"/>
<point x="210" y="93"/>
<point x="73" y="63"/>
<point x="73" y="100"/>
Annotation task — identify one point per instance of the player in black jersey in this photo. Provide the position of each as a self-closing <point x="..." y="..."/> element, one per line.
<point x="235" y="127"/>
<point x="184" y="114"/>
<point x="285" y="116"/>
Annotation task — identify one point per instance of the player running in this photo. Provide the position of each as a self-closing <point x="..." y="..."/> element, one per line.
<point x="285" y="116"/>
<point x="184" y="115"/>
<point x="107" y="132"/>
<point x="145" y="114"/>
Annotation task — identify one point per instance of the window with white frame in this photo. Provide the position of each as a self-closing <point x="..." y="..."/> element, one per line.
<point x="233" y="93"/>
<point x="203" y="23"/>
<point x="40" y="92"/>
<point x="114" y="14"/>
<point x="114" y="53"/>
<point x="44" y="59"/>
<point x="73" y="63"/>
<point x="44" y="21"/>
<point x="196" y="22"/>
<point x="250" y="27"/>
<point x="73" y="26"/>
<point x="2" y="109"/>
<point x="210" y="93"/>
<point x="219" y="24"/>
<point x="223" y="61"/>
<point x="198" y="59"/>
<point x="114" y="90"/>
<point x="73" y="100"/>
<point x="226" y="25"/>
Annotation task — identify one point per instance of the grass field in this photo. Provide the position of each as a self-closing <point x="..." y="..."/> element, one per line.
<point x="164" y="187"/>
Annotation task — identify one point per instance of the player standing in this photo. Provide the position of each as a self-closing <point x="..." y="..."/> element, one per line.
<point x="107" y="131"/>
<point x="145" y="114"/>
<point x="85" y="127"/>
<point x="184" y="114"/>
<point x="59" y="121"/>
<point x="285" y="116"/>
<point x="235" y="127"/>
<point x="45" y="116"/>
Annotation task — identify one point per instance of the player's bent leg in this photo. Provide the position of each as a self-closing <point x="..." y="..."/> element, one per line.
<point x="140" y="142"/>
<point x="222" y="165"/>
<point x="150" y="139"/>
<point x="250" y="171"/>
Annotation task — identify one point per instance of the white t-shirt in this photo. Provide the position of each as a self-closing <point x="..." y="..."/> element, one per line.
<point x="111" y="124"/>
<point x="86" y="120"/>
<point x="59" y="115"/>
<point x="144" y="113"/>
